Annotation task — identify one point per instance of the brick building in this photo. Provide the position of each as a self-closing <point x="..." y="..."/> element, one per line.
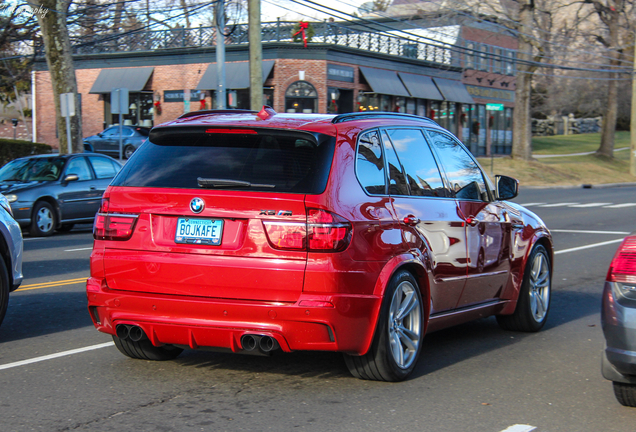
<point x="342" y="69"/>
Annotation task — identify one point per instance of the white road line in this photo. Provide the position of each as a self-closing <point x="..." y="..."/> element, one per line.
<point x="621" y="205"/>
<point x="53" y="356"/>
<point x="590" y="232"/>
<point x="588" y="246"/>
<point x="558" y="204"/>
<point x="590" y="205"/>
<point x="83" y="249"/>
<point x="533" y="204"/>
<point x="520" y="428"/>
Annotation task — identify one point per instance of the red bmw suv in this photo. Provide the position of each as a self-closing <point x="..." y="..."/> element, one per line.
<point x="359" y="233"/>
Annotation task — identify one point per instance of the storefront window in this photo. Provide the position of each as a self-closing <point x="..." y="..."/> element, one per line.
<point x="508" y="131"/>
<point x="481" y="130"/>
<point x="368" y="102"/>
<point x="400" y="105"/>
<point x="410" y="106"/>
<point x="385" y="103"/>
<point x="140" y="110"/>
<point x="421" y="107"/>
<point x="433" y="112"/>
<point x="301" y="97"/>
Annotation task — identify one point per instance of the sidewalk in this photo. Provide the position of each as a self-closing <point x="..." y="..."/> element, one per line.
<point x="573" y="154"/>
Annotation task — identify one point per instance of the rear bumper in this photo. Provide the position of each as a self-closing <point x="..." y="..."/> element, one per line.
<point x="322" y="322"/>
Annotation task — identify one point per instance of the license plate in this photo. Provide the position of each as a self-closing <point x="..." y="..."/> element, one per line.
<point x="199" y="231"/>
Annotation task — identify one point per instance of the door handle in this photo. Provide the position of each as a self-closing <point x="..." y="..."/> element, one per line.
<point x="411" y="220"/>
<point x="93" y="188"/>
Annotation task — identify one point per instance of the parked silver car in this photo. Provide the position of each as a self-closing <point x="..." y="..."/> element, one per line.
<point x="618" y="317"/>
<point x="11" y="255"/>
<point x="49" y="192"/>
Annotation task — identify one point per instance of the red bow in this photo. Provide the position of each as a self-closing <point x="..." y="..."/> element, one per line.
<point x="303" y="26"/>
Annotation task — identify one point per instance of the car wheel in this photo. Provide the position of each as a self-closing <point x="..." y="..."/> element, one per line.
<point x="43" y="220"/>
<point x="398" y="337"/>
<point x="66" y="227"/>
<point x="128" y="151"/>
<point x="625" y="394"/>
<point x="145" y="350"/>
<point x="533" y="304"/>
<point x="4" y="289"/>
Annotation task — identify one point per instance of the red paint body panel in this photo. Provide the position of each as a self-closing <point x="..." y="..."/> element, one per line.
<point x="195" y="295"/>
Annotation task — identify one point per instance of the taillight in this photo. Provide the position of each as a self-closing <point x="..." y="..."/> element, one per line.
<point x="327" y="232"/>
<point x="623" y="267"/>
<point x="286" y="235"/>
<point x="113" y="226"/>
<point x="323" y="232"/>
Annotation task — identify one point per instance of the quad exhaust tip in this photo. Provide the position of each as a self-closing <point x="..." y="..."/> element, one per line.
<point x="265" y="344"/>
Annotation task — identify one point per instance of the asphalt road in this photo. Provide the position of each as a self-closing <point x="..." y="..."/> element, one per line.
<point x="475" y="377"/>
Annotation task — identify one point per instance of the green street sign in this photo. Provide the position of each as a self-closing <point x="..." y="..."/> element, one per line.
<point x="494" y="107"/>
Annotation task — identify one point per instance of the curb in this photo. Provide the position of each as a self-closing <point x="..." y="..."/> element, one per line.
<point x="584" y="186"/>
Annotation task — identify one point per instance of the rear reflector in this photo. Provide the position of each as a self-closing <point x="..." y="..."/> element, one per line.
<point x="113" y="226"/>
<point x="323" y="232"/>
<point x="623" y="267"/>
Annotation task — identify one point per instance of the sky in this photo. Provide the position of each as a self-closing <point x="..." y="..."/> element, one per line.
<point x="287" y="10"/>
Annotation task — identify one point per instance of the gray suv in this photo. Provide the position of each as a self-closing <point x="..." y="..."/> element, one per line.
<point x="11" y="253"/>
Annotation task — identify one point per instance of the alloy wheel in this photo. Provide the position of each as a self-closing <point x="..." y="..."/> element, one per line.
<point x="539" y="287"/>
<point x="405" y="325"/>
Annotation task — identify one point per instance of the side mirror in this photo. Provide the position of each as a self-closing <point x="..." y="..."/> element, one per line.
<point x="507" y="187"/>
<point x="71" y="177"/>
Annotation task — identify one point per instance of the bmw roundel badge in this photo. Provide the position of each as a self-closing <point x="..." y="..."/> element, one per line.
<point x="197" y="205"/>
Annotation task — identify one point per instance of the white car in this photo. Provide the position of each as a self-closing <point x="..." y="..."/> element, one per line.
<point x="11" y="253"/>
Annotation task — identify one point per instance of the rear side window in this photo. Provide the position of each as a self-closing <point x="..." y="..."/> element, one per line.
<point x="103" y="167"/>
<point x="274" y="161"/>
<point x="370" y="163"/>
<point x="421" y="169"/>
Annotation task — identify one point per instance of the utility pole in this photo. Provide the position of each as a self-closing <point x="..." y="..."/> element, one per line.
<point x="256" y="55"/>
<point x="220" y="54"/>
<point x="632" y="128"/>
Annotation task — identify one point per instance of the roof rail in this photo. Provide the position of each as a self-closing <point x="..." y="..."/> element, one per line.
<point x="377" y="114"/>
<point x="217" y="111"/>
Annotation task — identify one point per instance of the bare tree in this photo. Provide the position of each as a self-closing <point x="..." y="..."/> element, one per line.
<point x="57" y="48"/>
<point x="616" y="21"/>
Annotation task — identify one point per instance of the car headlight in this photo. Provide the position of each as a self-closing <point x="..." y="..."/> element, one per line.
<point x="5" y="200"/>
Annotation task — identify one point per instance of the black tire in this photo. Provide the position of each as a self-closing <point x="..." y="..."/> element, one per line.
<point x="66" y="227"/>
<point x="4" y="290"/>
<point x="145" y="350"/>
<point x="43" y="220"/>
<point x="389" y="357"/>
<point x="128" y="151"/>
<point x="625" y="394"/>
<point x="533" y="304"/>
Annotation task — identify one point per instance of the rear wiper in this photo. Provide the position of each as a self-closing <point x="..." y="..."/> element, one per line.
<point x="210" y="183"/>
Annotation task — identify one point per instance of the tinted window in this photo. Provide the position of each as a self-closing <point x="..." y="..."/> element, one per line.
<point x="142" y="131"/>
<point x="397" y="182"/>
<point x="268" y="161"/>
<point x="36" y="169"/>
<point x="419" y="164"/>
<point x="111" y="132"/>
<point x="464" y="175"/>
<point x="103" y="167"/>
<point x="79" y="166"/>
<point x="370" y="163"/>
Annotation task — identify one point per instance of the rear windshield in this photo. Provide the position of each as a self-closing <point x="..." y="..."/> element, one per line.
<point x="274" y="161"/>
